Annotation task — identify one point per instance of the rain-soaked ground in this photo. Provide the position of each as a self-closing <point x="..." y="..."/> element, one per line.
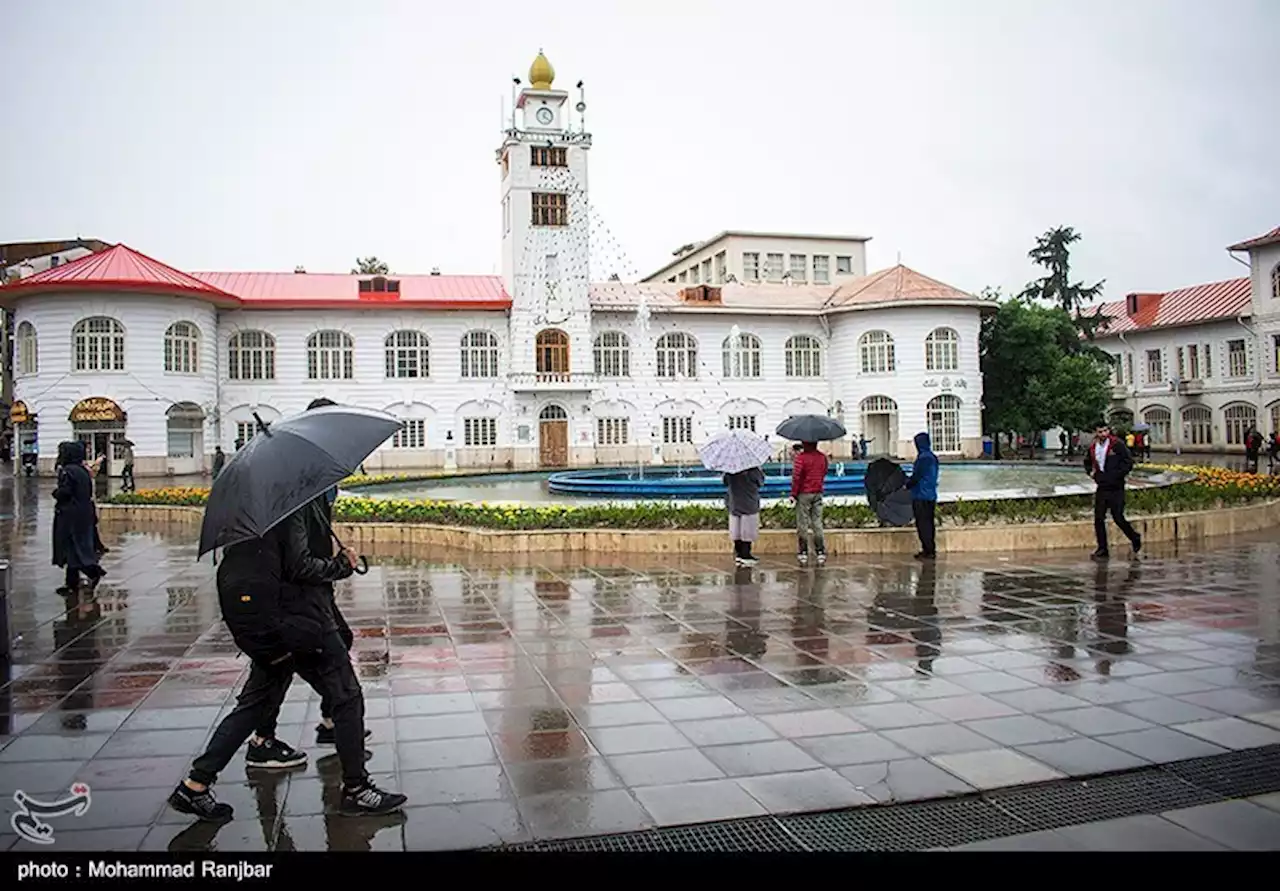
<point x="566" y="696"/>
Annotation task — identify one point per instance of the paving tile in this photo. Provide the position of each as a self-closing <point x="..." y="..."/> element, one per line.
<point x="454" y="785"/>
<point x="531" y="778"/>
<point x="1270" y="719"/>
<point x="638" y="738"/>
<point x="801" y="791"/>
<point x="1019" y="730"/>
<point x="938" y="740"/>
<point x="1047" y="840"/>
<point x="1140" y="833"/>
<point x="1082" y="757"/>
<point x="567" y="815"/>
<point x="1231" y="733"/>
<point x="1161" y="745"/>
<point x="794" y="725"/>
<point x="664" y="768"/>
<point x="1231" y="702"/>
<point x="1271" y="801"/>
<point x="760" y="758"/>
<point x="893" y="715"/>
<point x="1166" y="710"/>
<point x="996" y="768"/>
<point x="852" y="748"/>
<point x="461" y="827"/>
<point x="1238" y="825"/>
<point x="239" y="836"/>
<point x="725" y="731"/>
<point x="1097" y="720"/>
<point x="968" y="708"/>
<point x="1038" y="700"/>
<point x="697" y="708"/>
<point x="67" y="839"/>
<point x="907" y="779"/>
<point x="698" y="802"/>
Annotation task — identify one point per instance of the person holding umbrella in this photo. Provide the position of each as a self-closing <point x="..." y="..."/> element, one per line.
<point x="739" y="454"/>
<point x="923" y="485"/>
<point x="808" y="478"/>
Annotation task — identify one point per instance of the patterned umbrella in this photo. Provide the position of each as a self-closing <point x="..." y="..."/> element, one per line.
<point x="733" y="451"/>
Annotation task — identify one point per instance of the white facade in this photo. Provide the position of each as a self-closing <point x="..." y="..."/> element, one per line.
<point x="768" y="257"/>
<point x="560" y="372"/>
<point x="1204" y="379"/>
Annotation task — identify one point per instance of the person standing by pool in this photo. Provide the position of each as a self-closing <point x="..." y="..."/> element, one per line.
<point x="924" y="496"/>
<point x="742" y="498"/>
<point x="808" y="479"/>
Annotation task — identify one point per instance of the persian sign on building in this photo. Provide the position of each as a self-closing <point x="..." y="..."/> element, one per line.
<point x="96" y="409"/>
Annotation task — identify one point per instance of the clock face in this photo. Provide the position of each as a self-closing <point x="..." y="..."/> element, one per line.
<point x="545" y="116"/>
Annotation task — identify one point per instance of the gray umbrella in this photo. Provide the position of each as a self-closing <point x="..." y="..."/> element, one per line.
<point x="286" y="465"/>
<point x="810" y="428"/>
<point x="887" y="494"/>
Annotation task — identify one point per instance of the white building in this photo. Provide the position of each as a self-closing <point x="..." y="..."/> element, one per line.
<point x="538" y="367"/>
<point x="1201" y="365"/>
<point x="767" y="257"/>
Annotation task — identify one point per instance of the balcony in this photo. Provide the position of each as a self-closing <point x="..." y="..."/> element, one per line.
<point x="1120" y="392"/>
<point x="552" y="382"/>
<point x="1192" y="387"/>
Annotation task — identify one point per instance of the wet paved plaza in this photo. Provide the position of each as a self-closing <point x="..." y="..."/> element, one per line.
<point x="560" y="697"/>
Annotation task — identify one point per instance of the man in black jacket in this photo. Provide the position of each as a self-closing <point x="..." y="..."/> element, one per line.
<point x="318" y="516"/>
<point x="267" y="588"/>
<point x="1108" y="461"/>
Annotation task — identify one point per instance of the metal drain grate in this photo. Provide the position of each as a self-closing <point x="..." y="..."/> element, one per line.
<point x="737" y="836"/>
<point x="1234" y="774"/>
<point x="1109" y="797"/>
<point x="908" y="827"/>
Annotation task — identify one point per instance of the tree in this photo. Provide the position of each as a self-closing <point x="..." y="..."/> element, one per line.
<point x="1053" y="253"/>
<point x="370" y="266"/>
<point x="1037" y="374"/>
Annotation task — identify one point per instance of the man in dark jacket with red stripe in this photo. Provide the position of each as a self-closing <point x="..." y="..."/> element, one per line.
<point x="808" y="479"/>
<point x="1108" y="461"/>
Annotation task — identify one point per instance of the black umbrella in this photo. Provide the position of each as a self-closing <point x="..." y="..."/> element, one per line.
<point x="810" y="428"/>
<point x="887" y="492"/>
<point x="287" y="465"/>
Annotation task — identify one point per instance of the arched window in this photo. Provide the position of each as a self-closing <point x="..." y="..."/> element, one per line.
<point x="877" y="352"/>
<point x="186" y="430"/>
<point x="553" y="413"/>
<point x="677" y="355"/>
<point x="331" y="356"/>
<point x="1237" y="420"/>
<point x="943" y="423"/>
<point x="612" y="354"/>
<point x="182" y="348"/>
<point x="942" y="350"/>
<point x="98" y="344"/>
<point x="551" y="352"/>
<point x="741" y="358"/>
<point x="479" y="354"/>
<point x="251" y="356"/>
<point x="1160" y="420"/>
<point x="407" y="354"/>
<point x="803" y="356"/>
<point x="1197" y="425"/>
<point x="28" y="350"/>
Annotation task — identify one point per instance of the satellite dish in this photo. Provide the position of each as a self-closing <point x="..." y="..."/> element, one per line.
<point x="581" y="107"/>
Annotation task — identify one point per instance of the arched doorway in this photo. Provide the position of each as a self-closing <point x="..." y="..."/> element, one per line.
<point x="553" y="437"/>
<point x="185" y="428"/>
<point x="99" y="423"/>
<point x="880" y="424"/>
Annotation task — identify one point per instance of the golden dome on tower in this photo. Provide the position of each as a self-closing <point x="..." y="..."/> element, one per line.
<point x="541" y="74"/>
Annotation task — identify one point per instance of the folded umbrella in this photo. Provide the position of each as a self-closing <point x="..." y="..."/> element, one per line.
<point x="810" y="428"/>
<point x="887" y="492"/>
<point x="287" y="465"/>
<point x="733" y="451"/>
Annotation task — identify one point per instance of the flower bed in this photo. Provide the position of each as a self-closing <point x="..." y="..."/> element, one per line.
<point x="1210" y="487"/>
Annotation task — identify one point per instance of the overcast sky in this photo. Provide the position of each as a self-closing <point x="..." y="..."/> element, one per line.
<point x="238" y="135"/>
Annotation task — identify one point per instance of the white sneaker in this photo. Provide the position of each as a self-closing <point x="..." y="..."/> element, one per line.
<point x="802" y="559"/>
<point x="822" y="558"/>
<point x="748" y="561"/>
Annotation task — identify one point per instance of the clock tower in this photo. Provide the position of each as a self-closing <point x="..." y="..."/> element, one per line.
<point x="546" y="233"/>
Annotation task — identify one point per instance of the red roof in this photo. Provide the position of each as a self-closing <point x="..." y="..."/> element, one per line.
<point x="296" y="290"/>
<point x="1269" y="238"/>
<point x="1186" y="306"/>
<point x="118" y="268"/>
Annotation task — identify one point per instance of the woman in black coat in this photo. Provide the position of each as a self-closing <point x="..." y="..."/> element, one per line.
<point x="73" y="518"/>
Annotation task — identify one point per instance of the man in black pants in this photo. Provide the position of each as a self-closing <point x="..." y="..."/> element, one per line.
<point x="1108" y="461"/>
<point x="266" y="590"/>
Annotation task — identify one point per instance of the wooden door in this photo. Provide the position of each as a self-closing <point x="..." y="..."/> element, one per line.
<point x="553" y="443"/>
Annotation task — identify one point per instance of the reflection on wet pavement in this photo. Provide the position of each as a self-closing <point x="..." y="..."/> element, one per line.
<point x="565" y="696"/>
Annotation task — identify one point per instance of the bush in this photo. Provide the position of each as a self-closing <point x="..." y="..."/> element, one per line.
<point x="1210" y="487"/>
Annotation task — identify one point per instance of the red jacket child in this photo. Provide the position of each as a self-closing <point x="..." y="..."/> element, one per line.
<point x="808" y="471"/>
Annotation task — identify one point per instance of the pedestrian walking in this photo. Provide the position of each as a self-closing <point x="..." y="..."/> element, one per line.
<point x="127" y="483"/>
<point x="271" y="601"/>
<point x="1108" y="462"/>
<point x="219" y="461"/>
<point x="808" y="481"/>
<point x="74" y="520"/>
<point x="924" y="496"/>
<point x="742" y="498"/>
